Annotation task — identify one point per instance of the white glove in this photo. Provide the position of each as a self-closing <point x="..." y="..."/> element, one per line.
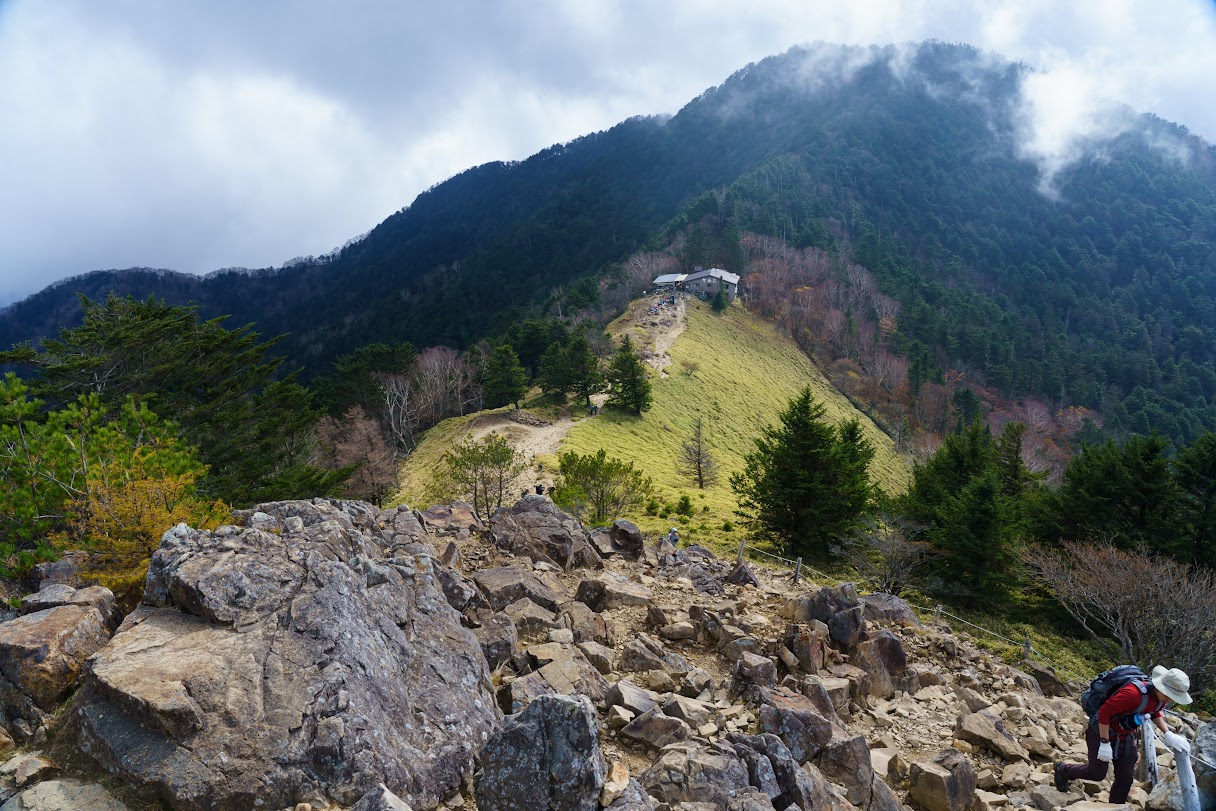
<point x="1176" y="742"/>
<point x="1105" y="753"/>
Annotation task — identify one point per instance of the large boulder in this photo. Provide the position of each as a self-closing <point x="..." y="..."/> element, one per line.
<point x="266" y="668"/>
<point x="547" y="756"/>
<point x="774" y="770"/>
<point x="503" y="585"/>
<point x="696" y="773"/>
<point x="43" y="653"/>
<point x="884" y="658"/>
<point x="946" y="783"/>
<point x="986" y="730"/>
<point x="797" y="722"/>
<point x="611" y="590"/>
<point x="536" y="528"/>
<point x="889" y="608"/>
<point x="457" y="518"/>
<point x="838" y="607"/>
<point x="1049" y="681"/>
<point x="846" y="762"/>
<point x="654" y="729"/>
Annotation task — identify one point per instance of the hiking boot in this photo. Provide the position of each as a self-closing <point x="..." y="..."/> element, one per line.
<point x="1060" y="780"/>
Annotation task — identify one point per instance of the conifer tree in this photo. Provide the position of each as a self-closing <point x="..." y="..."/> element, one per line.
<point x="572" y="369"/>
<point x="807" y="483"/>
<point x="505" y="379"/>
<point x="627" y="374"/>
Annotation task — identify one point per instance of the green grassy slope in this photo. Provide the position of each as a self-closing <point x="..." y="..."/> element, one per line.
<point x="745" y="373"/>
<point x="736" y="372"/>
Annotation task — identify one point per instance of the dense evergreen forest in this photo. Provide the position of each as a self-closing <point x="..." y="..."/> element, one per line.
<point x="1096" y="287"/>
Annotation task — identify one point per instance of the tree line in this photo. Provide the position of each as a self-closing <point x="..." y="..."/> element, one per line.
<point x="146" y="415"/>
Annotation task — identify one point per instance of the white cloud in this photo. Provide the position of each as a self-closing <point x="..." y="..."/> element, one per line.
<point x="203" y="135"/>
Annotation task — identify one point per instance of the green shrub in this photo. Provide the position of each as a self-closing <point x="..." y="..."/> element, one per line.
<point x="684" y="505"/>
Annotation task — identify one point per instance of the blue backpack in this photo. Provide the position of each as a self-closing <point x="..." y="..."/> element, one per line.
<point x="1105" y="685"/>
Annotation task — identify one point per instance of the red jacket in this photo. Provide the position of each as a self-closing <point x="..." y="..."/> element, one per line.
<point x="1126" y="701"/>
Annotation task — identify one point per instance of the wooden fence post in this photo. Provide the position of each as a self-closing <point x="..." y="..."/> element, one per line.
<point x="742" y="544"/>
<point x="797" y="570"/>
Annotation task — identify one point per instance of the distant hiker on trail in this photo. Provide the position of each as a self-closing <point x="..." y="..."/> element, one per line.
<point x="1118" y="702"/>
<point x="540" y="488"/>
<point x="673" y="537"/>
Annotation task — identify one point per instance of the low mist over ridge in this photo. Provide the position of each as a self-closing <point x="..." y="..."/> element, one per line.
<point x="1016" y="252"/>
<point x="196" y="140"/>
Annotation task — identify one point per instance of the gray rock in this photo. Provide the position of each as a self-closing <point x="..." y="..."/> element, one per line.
<point x="42" y="656"/>
<point x="632" y="799"/>
<point x="627" y="538"/>
<point x="633" y="698"/>
<point x="742" y="575"/>
<point x="546" y="757"/>
<point x="644" y="653"/>
<point x="495" y="633"/>
<point x="773" y="769"/>
<point x="947" y="783"/>
<point x="655" y="729"/>
<point x="1050" y="683"/>
<point x="598" y="655"/>
<point x="460" y="591"/>
<point x="66" y="570"/>
<point x="587" y="625"/>
<point x="798" y="724"/>
<point x="561" y="670"/>
<point x="696" y="773"/>
<point x="284" y="667"/>
<point x="809" y="648"/>
<point x="64" y="795"/>
<point x="531" y="620"/>
<point x="988" y="731"/>
<point x="846" y="761"/>
<point x="753" y="670"/>
<point x="884" y="658"/>
<point x="536" y="528"/>
<point x="689" y="710"/>
<point x="889" y="608"/>
<point x="456" y="518"/>
<point x="503" y="585"/>
<point x="380" y="799"/>
<point x="611" y="590"/>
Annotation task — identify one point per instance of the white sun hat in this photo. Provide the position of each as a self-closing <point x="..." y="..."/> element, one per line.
<point x="1174" y="683"/>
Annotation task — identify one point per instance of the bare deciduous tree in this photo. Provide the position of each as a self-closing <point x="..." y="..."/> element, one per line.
<point x="356" y="440"/>
<point x="696" y="460"/>
<point x="1144" y="609"/>
<point x="887" y="552"/>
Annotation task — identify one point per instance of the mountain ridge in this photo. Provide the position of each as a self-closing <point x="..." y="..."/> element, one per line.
<point x="908" y="160"/>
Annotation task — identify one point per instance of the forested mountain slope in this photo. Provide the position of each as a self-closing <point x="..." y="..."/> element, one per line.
<point x="1088" y="281"/>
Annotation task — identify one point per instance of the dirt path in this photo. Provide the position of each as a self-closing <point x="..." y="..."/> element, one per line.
<point x="662" y="326"/>
<point x="531" y="440"/>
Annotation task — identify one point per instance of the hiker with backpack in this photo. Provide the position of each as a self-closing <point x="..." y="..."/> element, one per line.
<point x="1117" y="703"/>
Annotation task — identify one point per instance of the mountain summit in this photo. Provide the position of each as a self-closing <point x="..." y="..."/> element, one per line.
<point x="1076" y="264"/>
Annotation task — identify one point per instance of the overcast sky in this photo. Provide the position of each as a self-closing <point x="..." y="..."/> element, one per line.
<point x="196" y="135"/>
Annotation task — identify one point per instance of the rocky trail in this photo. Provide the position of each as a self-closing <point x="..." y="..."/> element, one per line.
<point x="326" y="655"/>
